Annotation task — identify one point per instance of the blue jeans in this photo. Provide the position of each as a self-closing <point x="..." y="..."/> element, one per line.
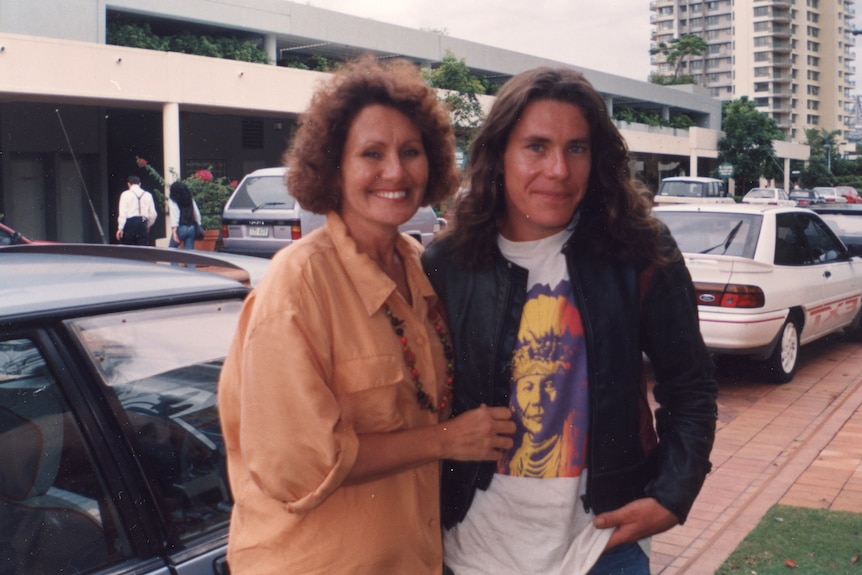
<point x="186" y="234"/>
<point x="626" y="559"/>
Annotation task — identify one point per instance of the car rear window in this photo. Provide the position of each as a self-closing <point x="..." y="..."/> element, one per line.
<point x="258" y="192"/>
<point x="714" y="233"/>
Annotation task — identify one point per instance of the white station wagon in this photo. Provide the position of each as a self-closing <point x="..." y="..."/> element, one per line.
<point x="768" y="279"/>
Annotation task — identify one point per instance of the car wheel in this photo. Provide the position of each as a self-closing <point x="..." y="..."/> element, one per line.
<point x="781" y="365"/>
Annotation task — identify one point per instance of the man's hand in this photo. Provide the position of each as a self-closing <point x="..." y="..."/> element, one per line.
<point x="119" y="235"/>
<point x="640" y="518"/>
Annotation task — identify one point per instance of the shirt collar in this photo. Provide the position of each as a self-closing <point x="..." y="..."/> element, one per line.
<point x="371" y="283"/>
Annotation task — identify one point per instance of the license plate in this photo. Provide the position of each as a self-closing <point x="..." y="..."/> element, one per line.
<point x="258" y="231"/>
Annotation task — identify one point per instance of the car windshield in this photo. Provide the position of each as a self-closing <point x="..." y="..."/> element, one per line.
<point x="729" y="234"/>
<point x="686" y="189"/>
<point x="844" y="224"/>
<point x="259" y="192"/>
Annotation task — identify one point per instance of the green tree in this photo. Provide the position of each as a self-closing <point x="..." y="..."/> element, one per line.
<point x="677" y="50"/>
<point x="460" y="91"/>
<point x="747" y="142"/>
<point x="823" y="147"/>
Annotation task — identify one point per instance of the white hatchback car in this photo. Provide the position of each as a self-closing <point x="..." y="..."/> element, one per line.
<point x="767" y="279"/>
<point x="768" y="196"/>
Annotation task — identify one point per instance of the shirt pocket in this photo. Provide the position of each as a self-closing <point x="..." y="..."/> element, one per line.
<point x="371" y="391"/>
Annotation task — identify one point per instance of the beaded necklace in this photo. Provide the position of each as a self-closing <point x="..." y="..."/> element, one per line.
<point x="410" y="359"/>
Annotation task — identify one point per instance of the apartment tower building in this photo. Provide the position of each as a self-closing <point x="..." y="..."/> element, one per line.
<point x="793" y="58"/>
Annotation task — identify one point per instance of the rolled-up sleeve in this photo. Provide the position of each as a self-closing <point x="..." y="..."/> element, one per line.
<point x="295" y="444"/>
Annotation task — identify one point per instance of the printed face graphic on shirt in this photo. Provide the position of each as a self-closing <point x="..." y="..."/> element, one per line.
<point x="549" y="388"/>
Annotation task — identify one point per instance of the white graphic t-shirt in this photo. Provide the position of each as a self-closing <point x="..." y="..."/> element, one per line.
<point x="531" y="519"/>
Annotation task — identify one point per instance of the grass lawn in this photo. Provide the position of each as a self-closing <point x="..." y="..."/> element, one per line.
<point x="801" y="540"/>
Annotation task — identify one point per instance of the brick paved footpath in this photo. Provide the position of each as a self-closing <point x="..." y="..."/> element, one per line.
<point x="795" y="444"/>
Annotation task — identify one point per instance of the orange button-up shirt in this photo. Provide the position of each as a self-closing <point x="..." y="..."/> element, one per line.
<point x="314" y="364"/>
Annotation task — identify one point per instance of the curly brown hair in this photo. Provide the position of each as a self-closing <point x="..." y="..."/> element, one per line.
<point x="316" y="154"/>
<point x="619" y="225"/>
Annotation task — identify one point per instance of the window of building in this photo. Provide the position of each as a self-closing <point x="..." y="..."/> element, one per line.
<point x="813" y="60"/>
<point x="814" y="75"/>
<point x="763" y="41"/>
<point x="813" y="31"/>
<point x="814" y="120"/>
<point x="813" y="105"/>
<point x="761" y="11"/>
<point x="763" y="26"/>
<point x="813" y="3"/>
<point x="761" y="72"/>
<point x="696" y="22"/>
<point x="813" y="17"/>
<point x="813" y="46"/>
<point x="761" y="87"/>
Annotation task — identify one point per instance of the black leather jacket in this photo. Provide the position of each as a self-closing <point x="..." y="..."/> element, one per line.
<point x="630" y="457"/>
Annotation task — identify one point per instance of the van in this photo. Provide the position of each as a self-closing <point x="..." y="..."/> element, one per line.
<point x="261" y="217"/>
<point x="692" y="190"/>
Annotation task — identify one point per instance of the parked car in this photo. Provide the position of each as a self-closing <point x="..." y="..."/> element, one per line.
<point x="10" y="237"/>
<point x="768" y="196"/>
<point x="850" y="194"/>
<point x="261" y="217"/>
<point x="831" y="195"/>
<point x="247" y="270"/>
<point x="844" y="219"/>
<point x="692" y="190"/>
<point x="113" y="459"/>
<point x="806" y="198"/>
<point x="767" y="279"/>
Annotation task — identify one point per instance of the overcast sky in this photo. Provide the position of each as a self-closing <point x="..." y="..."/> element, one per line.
<point x="607" y="35"/>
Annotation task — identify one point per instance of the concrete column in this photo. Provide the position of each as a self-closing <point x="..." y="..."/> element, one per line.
<point x="787" y="175"/>
<point x="692" y="163"/>
<point x="270" y="46"/>
<point x="171" y="156"/>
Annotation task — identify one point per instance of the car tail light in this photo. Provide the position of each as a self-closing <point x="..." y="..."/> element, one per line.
<point x="224" y="232"/>
<point x="295" y="231"/>
<point x="729" y="295"/>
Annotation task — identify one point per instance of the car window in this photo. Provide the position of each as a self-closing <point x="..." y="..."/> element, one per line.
<point x="685" y="189"/>
<point x="760" y="194"/>
<point x="256" y="192"/>
<point x="715" y="233"/>
<point x="843" y="224"/>
<point x="55" y="512"/>
<point x="163" y="366"/>
<point x="805" y="240"/>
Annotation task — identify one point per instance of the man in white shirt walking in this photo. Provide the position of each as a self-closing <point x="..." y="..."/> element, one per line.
<point x="136" y="214"/>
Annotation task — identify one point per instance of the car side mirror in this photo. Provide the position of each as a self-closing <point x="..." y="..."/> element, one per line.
<point x="855" y="250"/>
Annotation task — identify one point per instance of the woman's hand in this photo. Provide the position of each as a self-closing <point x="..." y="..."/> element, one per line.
<point x="480" y="434"/>
<point x="483" y="433"/>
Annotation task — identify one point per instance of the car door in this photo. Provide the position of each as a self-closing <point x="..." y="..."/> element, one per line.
<point x="827" y="279"/>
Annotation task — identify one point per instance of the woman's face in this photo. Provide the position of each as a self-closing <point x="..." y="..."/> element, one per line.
<point x="384" y="171"/>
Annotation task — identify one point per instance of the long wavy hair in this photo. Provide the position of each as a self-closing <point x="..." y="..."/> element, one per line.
<point x="315" y="156"/>
<point x="615" y="218"/>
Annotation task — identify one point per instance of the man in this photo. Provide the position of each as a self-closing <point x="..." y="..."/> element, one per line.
<point x="136" y="214"/>
<point x="557" y="281"/>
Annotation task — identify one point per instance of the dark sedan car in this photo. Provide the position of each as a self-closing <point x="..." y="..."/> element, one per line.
<point x="844" y="219"/>
<point x="806" y="198"/>
<point x="113" y="460"/>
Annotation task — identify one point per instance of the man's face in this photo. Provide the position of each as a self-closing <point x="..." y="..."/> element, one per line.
<point x="546" y="168"/>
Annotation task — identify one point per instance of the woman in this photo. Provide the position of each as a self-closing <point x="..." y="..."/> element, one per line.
<point x="335" y="395"/>
<point x="185" y="216"/>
